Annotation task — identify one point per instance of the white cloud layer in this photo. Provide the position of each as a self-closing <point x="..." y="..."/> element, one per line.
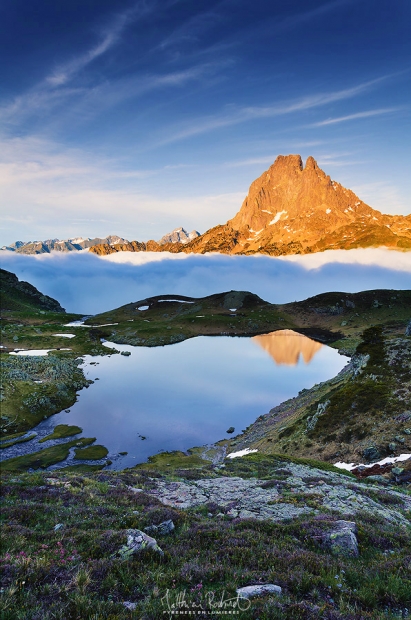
<point x="85" y="283"/>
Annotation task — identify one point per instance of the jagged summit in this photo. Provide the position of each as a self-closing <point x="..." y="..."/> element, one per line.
<point x="292" y="208"/>
<point x="289" y="209"/>
<point x="178" y="235"/>
<point x="63" y="245"/>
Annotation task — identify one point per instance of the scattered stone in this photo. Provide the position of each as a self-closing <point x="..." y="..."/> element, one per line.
<point x="166" y="527"/>
<point x="129" y="605"/>
<point x="135" y="489"/>
<point x="138" y="541"/>
<point x="258" y="590"/>
<point x="392" y="446"/>
<point x="230" y="430"/>
<point x="342" y="538"/>
<point x="321" y="408"/>
<point x="379" y="479"/>
<point x="408" y="329"/>
<point x="397" y="471"/>
<point x="371" y="453"/>
<point x="126" y="353"/>
<point x="58" y="527"/>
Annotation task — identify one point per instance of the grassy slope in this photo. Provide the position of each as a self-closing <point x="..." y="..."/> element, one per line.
<point x="363" y="409"/>
<point x="29" y="320"/>
<point x="335" y="318"/>
<point x="74" y="572"/>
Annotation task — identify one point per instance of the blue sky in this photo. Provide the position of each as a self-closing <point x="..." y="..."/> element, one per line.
<point x="133" y="118"/>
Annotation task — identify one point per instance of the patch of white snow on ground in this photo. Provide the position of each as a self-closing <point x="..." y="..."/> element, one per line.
<point x="65" y="335"/>
<point x="388" y="459"/>
<point x="233" y="309"/>
<point x="35" y="352"/>
<point x="234" y="455"/>
<point x="277" y="217"/>
<point x="143" y="308"/>
<point x="181" y="301"/>
<point x="76" y="324"/>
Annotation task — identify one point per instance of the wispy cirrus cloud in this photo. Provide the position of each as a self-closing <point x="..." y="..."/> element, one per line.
<point x="60" y="91"/>
<point x="108" y="38"/>
<point x="355" y="116"/>
<point x="236" y="116"/>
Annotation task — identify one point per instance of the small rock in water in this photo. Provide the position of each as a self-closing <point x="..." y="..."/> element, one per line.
<point x="230" y="430"/>
<point x="126" y="353"/>
<point x="258" y="590"/>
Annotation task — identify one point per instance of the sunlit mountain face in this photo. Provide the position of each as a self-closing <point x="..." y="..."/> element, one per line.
<point x="288" y="347"/>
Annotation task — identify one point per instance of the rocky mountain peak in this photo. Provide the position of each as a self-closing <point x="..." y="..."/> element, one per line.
<point x="292" y="208"/>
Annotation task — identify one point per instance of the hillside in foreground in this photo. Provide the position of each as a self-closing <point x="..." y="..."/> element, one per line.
<point x="187" y="532"/>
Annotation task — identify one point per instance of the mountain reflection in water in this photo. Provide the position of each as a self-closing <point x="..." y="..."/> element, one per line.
<point x="286" y="346"/>
<point x="188" y="394"/>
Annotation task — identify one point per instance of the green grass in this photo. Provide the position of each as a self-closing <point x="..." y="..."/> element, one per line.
<point x="75" y="572"/>
<point x="44" y="458"/>
<point x="92" y="453"/>
<point x="18" y="440"/>
<point x="62" y="430"/>
<point x="170" y="461"/>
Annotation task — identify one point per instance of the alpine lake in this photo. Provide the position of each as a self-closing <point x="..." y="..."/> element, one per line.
<point x="165" y="398"/>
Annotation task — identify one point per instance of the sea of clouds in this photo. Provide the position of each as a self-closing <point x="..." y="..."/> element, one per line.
<point x="85" y="283"/>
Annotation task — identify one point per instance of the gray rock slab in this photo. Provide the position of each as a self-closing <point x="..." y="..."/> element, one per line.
<point x="258" y="590"/>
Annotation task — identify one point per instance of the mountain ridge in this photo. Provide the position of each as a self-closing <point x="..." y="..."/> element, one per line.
<point x="294" y="209"/>
<point x="289" y="209"/>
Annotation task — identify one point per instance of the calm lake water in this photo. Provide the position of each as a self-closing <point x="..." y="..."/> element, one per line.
<point x="188" y="394"/>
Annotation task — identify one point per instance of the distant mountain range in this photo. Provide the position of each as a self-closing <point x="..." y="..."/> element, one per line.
<point x="289" y="209"/>
<point x="57" y="245"/>
<point x="292" y="209"/>
<point x="178" y="235"/>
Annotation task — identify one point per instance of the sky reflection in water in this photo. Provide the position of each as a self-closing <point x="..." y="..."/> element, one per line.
<point x="190" y="393"/>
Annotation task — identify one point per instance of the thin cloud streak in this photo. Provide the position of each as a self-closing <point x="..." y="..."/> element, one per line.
<point x="352" y="117"/>
<point x="245" y="114"/>
<point x="109" y="38"/>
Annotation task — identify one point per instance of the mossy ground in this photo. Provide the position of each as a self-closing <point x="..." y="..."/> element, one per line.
<point x="92" y="453"/>
<point x="61" y="431"/>
<point x="22" y="438"/>
<point x="75" y="572"/>
<point x="45" y="458"/>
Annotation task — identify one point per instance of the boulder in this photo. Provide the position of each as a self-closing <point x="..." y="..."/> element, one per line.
<point x="258" y="590"/>
<point x="371" y="454"/>
<point x="137" y="542"/>
<point x="342" y="539"/>
<point x="166" y="527"/>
